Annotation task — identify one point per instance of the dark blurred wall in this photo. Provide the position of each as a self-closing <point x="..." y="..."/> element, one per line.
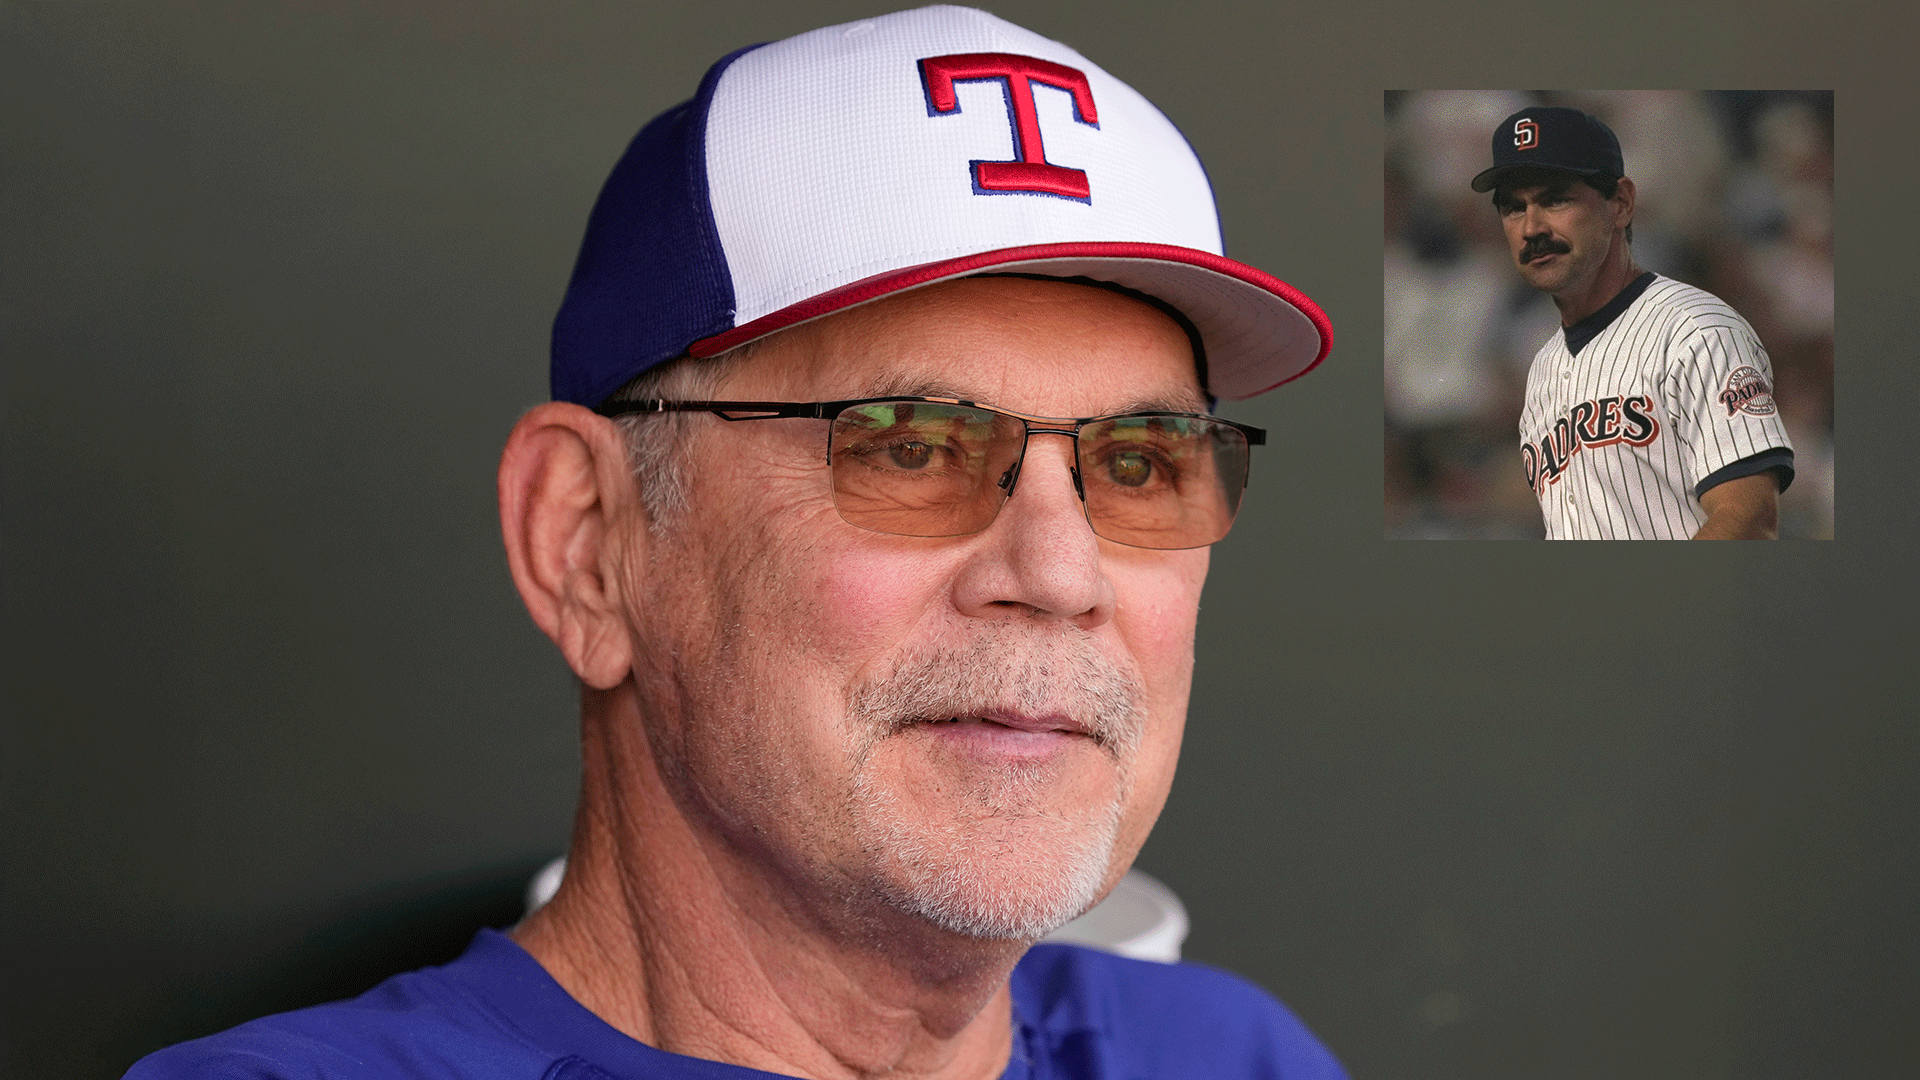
<point x="275" y="283"/>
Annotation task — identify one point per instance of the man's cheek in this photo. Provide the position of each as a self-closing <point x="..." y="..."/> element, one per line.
<point x="1159" y="601"/>
<point x="870" y="599"/>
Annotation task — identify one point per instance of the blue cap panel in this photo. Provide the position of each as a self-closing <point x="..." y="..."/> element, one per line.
<point x="651" y="278"/>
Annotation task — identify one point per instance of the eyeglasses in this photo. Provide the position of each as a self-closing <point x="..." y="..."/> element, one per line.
<point x="920" y="466"/>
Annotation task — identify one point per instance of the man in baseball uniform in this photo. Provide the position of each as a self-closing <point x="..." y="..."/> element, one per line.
<point x="1650" y="415"/>
<point x="871" y="513"/>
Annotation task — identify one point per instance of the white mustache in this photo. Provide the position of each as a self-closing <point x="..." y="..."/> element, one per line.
<point x="1003" y="672"/>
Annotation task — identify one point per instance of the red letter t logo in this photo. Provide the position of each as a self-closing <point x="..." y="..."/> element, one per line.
<point x="1032" y="172"/>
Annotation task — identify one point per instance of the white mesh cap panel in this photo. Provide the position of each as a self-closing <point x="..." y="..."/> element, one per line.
<point x="825" y="167"/>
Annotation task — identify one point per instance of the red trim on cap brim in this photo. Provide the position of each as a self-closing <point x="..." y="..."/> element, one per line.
<point x="893" y="281"/>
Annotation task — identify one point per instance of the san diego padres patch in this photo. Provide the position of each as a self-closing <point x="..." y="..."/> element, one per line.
<point x="1747" y="391"/>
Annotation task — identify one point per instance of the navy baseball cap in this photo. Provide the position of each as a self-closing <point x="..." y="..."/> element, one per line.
<point x="1552" y="137"/>
<point x="858" y="161"/>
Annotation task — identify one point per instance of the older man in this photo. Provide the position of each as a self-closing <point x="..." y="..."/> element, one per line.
<point x="872" y="514"/>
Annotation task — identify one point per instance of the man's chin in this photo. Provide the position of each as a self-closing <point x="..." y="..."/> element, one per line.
<point x="1017" y="877"/>
<point x="997" y="898"/>
<point x="991" y="849"/>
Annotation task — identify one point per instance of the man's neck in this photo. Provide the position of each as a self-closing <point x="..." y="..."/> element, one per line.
<point x="688" y="947"/>
<point x="1616" y="273"/>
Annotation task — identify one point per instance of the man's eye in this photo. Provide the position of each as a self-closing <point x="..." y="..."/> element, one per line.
<point x="1130" y="469"/>
<point x="912" y="454"/>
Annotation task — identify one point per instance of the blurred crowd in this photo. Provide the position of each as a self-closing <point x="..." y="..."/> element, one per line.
<point x="1735" y="196"/>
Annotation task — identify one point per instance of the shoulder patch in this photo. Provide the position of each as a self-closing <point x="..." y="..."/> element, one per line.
<point x="1747" y="391"/>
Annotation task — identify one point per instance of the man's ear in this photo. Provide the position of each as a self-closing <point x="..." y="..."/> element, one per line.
<point x="1624" y="195"/>
<point x="568" y="514"/>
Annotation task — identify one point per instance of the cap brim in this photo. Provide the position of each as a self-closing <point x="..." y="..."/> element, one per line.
<point x="1489" y="178"/>
<point x="1259" y="331"/>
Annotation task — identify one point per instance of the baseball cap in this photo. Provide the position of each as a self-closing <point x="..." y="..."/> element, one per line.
<point x="1552" y="137"/>
<point x="854" y="162"/>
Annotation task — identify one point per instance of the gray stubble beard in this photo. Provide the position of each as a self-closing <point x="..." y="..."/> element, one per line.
<point x="937" y="877"/>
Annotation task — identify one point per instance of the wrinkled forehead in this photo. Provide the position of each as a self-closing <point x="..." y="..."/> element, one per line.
<point x="908" y="383"/>
<point x="1031" y="345"/>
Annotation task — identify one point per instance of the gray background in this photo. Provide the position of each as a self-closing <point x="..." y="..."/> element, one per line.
<point x="275" y="284"/>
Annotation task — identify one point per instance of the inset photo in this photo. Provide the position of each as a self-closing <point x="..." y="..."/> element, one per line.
<point x="1609" y="315"/>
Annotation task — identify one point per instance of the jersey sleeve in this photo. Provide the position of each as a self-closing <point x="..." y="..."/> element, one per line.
<point x="1723" y="411"/>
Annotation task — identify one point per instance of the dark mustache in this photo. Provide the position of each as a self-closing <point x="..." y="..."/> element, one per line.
<point x="1542" y="246"/>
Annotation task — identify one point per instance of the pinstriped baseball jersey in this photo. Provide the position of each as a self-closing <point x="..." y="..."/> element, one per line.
<point x="1637" y="409"/>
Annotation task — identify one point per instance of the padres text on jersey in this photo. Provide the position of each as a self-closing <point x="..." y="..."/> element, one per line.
<point x="1637" y="409"/>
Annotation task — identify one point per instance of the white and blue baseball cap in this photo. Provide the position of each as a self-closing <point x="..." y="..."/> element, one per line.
<point x="854" y="162"/>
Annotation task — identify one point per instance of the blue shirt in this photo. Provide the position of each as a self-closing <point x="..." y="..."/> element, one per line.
<point x="496" y="1014"/>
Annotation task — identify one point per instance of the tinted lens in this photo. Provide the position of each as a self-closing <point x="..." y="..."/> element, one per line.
<point x="1162" y="481"/>
<point x="918" y="468"/>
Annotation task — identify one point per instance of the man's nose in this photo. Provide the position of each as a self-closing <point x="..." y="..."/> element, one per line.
<point x="1039" y="558"/>
<point x="1010" y="482"/>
